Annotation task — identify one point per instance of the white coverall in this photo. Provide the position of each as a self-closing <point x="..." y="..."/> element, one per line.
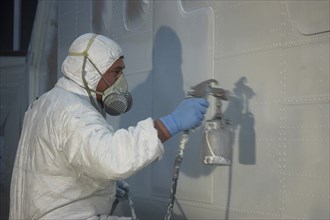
<point x="69" y="157"/>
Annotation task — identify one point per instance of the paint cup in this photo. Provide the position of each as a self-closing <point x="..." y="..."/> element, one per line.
<point x="216" y="143"/>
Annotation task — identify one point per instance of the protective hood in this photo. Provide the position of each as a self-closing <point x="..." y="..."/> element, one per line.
<point x="103" y="52"/>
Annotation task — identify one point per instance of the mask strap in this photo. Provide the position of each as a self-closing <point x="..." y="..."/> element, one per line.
<point x="87" y="88"/>
<point x="85" y="52"/>
<point x="98" y="71"/>
<point x="85" y="55"/>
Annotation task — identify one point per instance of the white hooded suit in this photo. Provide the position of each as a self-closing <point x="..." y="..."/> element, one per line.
<point x="69" y="158"/>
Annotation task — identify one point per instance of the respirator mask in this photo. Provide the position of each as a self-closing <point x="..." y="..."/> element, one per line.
<point x="116" y="98"/>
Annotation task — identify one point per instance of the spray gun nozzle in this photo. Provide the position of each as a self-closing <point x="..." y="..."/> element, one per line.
<point x="201" y="90"/>
<point x="219" y="93"/>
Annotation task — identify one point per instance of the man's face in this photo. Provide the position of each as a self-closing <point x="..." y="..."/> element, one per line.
<point x="110" y="76"/>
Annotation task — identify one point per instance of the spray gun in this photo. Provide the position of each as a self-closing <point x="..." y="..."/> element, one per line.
<point x="216" y="148"/>
<point x="214" y="127"/>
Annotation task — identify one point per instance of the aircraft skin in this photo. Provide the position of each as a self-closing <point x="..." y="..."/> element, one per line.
<point x="273" y="57"/>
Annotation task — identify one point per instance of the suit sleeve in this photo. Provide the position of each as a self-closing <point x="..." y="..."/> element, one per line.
<point x="94" y="149"/>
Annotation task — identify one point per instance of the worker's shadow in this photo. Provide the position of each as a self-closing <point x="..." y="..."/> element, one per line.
<point x="157" y="96"/>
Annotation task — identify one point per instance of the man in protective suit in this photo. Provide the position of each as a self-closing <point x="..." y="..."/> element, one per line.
<point x="69" y="158"/>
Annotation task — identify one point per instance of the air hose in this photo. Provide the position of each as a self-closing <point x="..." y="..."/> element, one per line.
<point x="176" y="169"/>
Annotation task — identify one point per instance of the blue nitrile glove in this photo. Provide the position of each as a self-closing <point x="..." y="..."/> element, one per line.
<point x="187" y="115"/>
<point x="122" y="189"/>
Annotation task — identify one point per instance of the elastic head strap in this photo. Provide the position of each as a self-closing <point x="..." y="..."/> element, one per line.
<point x="85" y="55"/>
<point x="85" y="52"/>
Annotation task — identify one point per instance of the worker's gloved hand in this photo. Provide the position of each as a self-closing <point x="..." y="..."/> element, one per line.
<point x="188" y="114"/>
<point x="122" y="190"/>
